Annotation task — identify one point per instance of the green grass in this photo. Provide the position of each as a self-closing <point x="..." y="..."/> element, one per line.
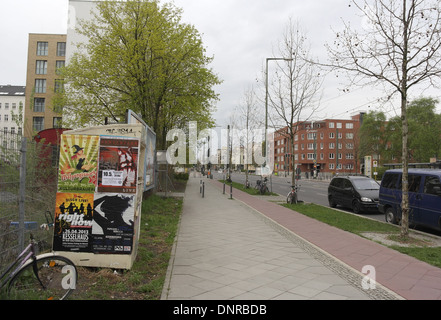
<point x="145" y="280"/>
<point x="342" y="220"/>
<point x="358" y="225"/>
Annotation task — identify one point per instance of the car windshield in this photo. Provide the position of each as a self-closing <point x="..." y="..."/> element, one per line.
<point x="366" y="184"/>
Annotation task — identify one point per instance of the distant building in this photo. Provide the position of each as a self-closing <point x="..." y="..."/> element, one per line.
<point x="44" y="86"/>
<point x="329" y="145"/>
<point x="12" y="102"/>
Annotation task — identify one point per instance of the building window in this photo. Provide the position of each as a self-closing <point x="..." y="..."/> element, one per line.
<point x="6" y="117"/>
<point x="61" y="49"/>
<point x="38" y="123"/>
<point x="42" y="48"/>
<point x="331" y="135"/>
<point x="6" y="106"/>
<point x="39" y="104"/>
<point x="58" y="65"/>
<point x="56" y="122"/>
<point x="349" y="125"/>
<point x="41" y="67"/>
<point x="331" y="156"/>
<point x="40" y="85"/>
<point x="59" y="86"/>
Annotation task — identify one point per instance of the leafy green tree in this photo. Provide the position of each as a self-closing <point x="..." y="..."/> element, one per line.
<point x="424" y="130"/>
<point x="372" y="134"/>
<point x="140" y="56"/>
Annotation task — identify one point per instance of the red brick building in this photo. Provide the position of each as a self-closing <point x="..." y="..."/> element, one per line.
<point x="327" y="146"/>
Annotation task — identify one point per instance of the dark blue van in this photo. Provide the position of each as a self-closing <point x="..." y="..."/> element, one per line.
<point x="424" y="197"/>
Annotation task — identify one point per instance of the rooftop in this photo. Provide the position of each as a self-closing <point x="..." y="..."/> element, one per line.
<point x="9" y="90"/>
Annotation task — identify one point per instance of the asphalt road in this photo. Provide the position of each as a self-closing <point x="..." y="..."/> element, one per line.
<point x="311" y="190"/>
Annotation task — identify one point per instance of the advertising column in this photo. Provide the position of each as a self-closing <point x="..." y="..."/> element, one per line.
<point x="99" y="195"/>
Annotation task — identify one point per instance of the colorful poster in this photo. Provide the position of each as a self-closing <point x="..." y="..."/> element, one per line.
<point x="78" y="163"/>
<point x="73" y="222"/>
<point x="113" y="221"/>
<point x="118" y="163"/>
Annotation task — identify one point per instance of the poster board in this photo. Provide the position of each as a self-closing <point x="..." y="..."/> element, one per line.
<point x="150" y="162"/>
<point x="99" y="195"/>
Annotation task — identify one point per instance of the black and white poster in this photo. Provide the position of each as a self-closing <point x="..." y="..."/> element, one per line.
<point x="113" y="223"/>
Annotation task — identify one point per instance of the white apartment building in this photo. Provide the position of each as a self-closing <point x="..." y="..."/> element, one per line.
<point x="12" y="105"/>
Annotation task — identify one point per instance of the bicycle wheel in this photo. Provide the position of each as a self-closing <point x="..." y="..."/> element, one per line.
<point x="294" y="198"/>
<point x="57" y="278"/>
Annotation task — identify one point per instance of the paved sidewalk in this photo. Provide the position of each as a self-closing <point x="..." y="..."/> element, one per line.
<point x="247" y="248"/>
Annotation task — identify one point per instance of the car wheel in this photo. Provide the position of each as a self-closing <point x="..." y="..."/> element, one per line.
<point x="332" y="203"/>
<point x="390" y="217"/>
<point x="356" y="207"/>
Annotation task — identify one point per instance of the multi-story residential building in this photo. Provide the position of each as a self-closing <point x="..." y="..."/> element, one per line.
<point x="329" y="145"/>
<point x="12" y="102"/>
<point x="46" y="54"/>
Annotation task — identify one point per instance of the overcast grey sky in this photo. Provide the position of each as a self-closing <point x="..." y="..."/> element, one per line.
<point x="240" y="34"/>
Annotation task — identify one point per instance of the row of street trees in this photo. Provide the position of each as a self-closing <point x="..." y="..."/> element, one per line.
<point x="141" y="56"/>
<point x="397" y="48"/>
<point x="381" y="136"/>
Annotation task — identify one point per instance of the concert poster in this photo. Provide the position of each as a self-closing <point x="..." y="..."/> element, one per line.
<point x="113" y="223"/>
<point x="78" y="163"/>
<point x="118" y="165"/>
<point x="73" y="222"/>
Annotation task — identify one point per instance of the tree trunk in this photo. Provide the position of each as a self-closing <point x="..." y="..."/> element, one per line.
<point x="405" y="132"/>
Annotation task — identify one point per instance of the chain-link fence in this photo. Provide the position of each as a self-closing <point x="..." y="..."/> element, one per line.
<point x="28" y="180"/>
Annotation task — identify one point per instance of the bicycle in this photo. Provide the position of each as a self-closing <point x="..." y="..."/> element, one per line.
<point x="292" y="195"/>
<point x="43" y="277"/>
<point x="263" y="187"/>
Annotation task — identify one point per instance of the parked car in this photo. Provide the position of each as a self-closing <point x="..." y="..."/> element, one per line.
<point x="424" y="197"/>
<point x="357" y="192"/>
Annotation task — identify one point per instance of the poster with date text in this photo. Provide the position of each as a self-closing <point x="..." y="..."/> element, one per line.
<point x="73" y="222"/>
<point x="118" y="165"/>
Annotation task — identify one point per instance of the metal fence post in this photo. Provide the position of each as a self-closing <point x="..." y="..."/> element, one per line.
<point x="231" y="190"/>
<point x="21" y="195"/>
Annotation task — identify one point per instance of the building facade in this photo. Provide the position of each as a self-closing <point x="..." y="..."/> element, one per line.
<point x="44" y="85"/>
<point x="329" y="145"/>
<point x="12" y="103"/>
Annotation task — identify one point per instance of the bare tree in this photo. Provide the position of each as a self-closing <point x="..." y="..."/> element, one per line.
<point x="399" y="46"/>
<point x="248" y="117"/>
<point x="296" y="86"/>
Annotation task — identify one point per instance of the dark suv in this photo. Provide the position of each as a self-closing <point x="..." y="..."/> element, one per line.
<point x="360" y="193"/>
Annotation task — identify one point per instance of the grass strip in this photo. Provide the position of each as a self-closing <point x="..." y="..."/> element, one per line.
<point x="358" y="225"/>
<point x="159" y="223"/>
